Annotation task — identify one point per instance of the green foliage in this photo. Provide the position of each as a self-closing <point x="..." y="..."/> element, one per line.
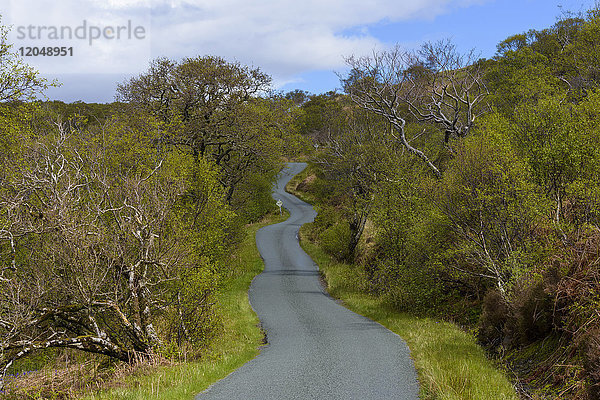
<point x="203" y="207"/>
<point x="409" y="237"/>
<point x="561" y="142"/>
<point x="558" y="61"/>
<point x="14" y="124"/>
<point x="481" y="237"/>
<point x="254" y="197"/>
<point x="335" y="239"/>
<point x="213" y="109"/>
<point x="327" y="217"/>
<point x="449" y="363"/>
<point x="491" y="205"/>
<point x="18" y="81"/>
<point x="321" y="115"/>
<point x="114" y="231"/>
<point x="238" y="340"/>
<point x="521" y="76"/>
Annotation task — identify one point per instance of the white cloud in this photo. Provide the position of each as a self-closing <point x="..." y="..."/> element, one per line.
<point x="283" y="37"/>
<point x="107" y="41"/>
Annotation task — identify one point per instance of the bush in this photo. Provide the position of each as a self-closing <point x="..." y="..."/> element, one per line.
<point x="493" y="319"/>
<point x="531" y="313"/>
<point x="252" y="199"/>
<point x="327" y="217"/>
<point x="335" y="240"/>
<point x="410" y="289"/>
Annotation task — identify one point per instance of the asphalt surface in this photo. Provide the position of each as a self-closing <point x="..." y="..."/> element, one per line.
<point x="316" y="349"/>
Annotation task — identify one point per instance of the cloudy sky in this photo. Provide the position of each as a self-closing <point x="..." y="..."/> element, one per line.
<point x="300" y="43"/>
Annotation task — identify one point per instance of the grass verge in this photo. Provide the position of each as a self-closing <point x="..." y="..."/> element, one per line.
<point x="293" y="188"/>
<point x="238" y="343"/>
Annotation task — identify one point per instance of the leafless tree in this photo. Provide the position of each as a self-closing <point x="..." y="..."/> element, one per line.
<point x="436" y="84"/>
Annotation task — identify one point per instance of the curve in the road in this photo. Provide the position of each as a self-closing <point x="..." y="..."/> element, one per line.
<point x="317" y="349"/>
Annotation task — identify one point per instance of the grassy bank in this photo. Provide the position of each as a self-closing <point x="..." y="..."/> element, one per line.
<point x="238" y="343"/>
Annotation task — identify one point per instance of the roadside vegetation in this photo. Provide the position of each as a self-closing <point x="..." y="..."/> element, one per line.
<point x="449" y="363"/>
<point x="118" y="224"/>
<point x="238" y="343"/>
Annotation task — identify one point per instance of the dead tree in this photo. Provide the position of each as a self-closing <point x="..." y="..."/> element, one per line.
<point x="436" y="84"/>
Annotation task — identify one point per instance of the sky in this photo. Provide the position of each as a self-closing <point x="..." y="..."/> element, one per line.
<point x="301" y="44"/>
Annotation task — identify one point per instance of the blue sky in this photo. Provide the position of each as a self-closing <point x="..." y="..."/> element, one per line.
<point x="299" y="43"/>
<point x="480" y="26"/>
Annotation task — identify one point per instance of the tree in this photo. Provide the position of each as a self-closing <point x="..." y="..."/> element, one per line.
<point x="298" y="97"/>
<point x="357" y="155"/>
<point x="259" y="132"/>
<point x="492" y="207"/>
<point x="213" y="109"/>
<point x="435" y="85"/>
<point x="580" y="54"/>
<point x="321" y="118"/>
<point x="18" y="81"/>
<point x="98" y="241"/>
<point x="197" y="99"/>
<point x="561" y="143"/>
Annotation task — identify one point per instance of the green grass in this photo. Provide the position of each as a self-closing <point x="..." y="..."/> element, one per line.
<point x="238" y="343"/>
<point x="449" y="363"/>
<point x="302" y="195"/>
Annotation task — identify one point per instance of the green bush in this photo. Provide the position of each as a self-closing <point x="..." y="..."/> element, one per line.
<point x="335" y="240"/>
<point x="326" y="218"/>
<point x="410" y="289"/>
<point x="252" y="199"/>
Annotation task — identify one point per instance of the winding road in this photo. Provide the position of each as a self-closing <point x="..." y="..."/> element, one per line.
<point x="316" y="349"/>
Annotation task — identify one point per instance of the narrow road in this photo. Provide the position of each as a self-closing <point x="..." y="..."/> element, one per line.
<point x="316" y="349"/>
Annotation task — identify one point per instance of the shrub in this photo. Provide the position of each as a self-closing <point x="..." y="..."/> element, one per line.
<point x="335" y="240"/>
<point x="252" y="199"/>
<point x="531" y="312"/>
<point x="493" y="318"/>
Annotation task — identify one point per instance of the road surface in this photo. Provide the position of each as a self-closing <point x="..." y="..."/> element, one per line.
<point x="316" y="349"/>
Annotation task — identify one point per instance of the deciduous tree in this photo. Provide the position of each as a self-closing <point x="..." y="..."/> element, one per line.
<point x="98" y="242"/>
<point x="436" y="84"/>
<point x="18" y="81"/>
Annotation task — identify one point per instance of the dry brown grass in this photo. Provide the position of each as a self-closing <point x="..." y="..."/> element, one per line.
<point x="69" y="380"/>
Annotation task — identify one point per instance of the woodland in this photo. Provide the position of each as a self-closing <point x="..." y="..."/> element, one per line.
<point x="458" y="188"/>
